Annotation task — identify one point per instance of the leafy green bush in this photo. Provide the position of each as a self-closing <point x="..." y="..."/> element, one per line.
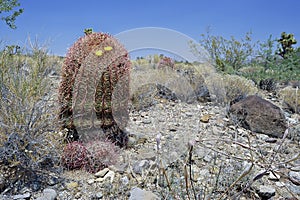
<point x="274" y="58"/>
<point x="228" y="55"/>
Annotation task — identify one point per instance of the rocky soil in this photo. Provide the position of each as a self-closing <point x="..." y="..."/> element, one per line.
<point x="180" y="150"/>
<point x="226" y="160"/>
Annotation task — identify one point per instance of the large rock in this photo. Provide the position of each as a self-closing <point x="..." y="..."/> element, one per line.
<point x="259" y="115"/>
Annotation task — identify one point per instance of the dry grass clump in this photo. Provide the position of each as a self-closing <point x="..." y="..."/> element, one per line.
<point x="28" y="142"/>
<point x="291" y="97"/>
<point x="145" y="80"/>
<point x="228" y="88"/>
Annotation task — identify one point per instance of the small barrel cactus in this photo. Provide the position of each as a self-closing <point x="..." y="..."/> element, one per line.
<point x="95" y="84"/>
<point x="101" y="154"/>
<point x="166" y="62"/>
<point x="74" y="156"/>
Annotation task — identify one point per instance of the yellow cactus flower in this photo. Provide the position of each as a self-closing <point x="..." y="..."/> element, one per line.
<point x="108" y="48"/>
<point x="99" y="53"/>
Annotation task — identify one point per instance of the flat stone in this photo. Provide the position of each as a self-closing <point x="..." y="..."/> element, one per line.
<point x="139" y="194"/>
<point x="273" y="177"/>
<point x="48" y="194"/>
<point x="280" y="184"/>
<point x="102" y="172"/>
<point x="296" y="169"/>
<point x="26" y="195"/>
<point x="147" y="121"/>
<point x="205" y="118"/>
<point x="140" y="166"/>
<point x="109" y="174"/>
<point x="294" y="177"/>
<point x="266" y="192"/>
<point x="189" y="114"/>
<point x="271" y="140"/>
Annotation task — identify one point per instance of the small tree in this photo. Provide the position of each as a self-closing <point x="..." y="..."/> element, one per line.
<point x="286" y="41"/>
<point x="8" y="6"/>
<point x="228" y="55"/>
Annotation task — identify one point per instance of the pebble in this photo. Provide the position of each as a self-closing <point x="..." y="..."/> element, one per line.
<point x="48" y="194"/>
<point x="205" y="118"/>
<point x="146" y="121"/>
<point x="271" y="140"/>
<point x="78" y="195"/>
<point x="98" y="195"/>
<point x="90" y="181"/>
<point x="124" y="180"/>
<point x="140" y="166"/>
<point x="207" y="158"/>
<point x="189" y="114"/>
<point x="53" y="181"/>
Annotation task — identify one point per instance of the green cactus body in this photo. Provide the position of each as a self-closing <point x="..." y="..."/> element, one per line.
<point x="95" y="81"/>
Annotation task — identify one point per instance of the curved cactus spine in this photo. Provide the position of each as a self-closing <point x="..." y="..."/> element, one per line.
<point x="100" y="64"/>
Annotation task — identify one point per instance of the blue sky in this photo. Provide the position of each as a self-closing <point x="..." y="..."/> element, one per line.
<point x="61" y="22"/>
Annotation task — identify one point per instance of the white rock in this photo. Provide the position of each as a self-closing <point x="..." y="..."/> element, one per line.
<point x="102" y="173"/>
<point x="109" y="174"/>
<point x="139" y="194"/>
<point x="90" y="181"/>
<point x="274" y="177"/>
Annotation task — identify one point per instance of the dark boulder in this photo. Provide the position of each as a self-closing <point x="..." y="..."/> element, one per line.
<point x="259" y="115"/>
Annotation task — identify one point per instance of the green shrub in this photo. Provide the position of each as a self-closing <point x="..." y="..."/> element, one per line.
<point x="227" y="55"/>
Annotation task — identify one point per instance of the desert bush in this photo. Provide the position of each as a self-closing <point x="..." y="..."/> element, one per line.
<point x="28" y="144"/>
<point x="227" y="55"/>
<point x="229" y="88"/>
<point x="291" y="97"/>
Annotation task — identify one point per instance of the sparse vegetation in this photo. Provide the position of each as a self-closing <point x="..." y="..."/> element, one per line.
<point x="29" y="145"/>
<point x="291" y="98"/>
<point x="220" y="161"/>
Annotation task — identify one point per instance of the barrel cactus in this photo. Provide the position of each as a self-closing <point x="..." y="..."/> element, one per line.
<point x="94" y="88"/>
